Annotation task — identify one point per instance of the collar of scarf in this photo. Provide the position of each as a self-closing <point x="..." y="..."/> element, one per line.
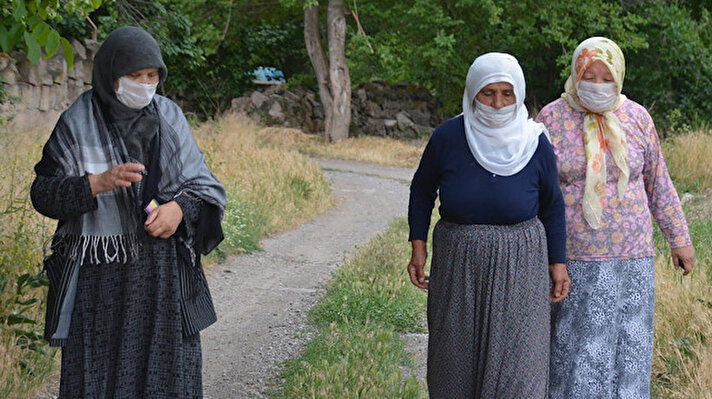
<point x="601" y="132"/>
<point x="505" y="150"/>
<point x="86" y="145"/>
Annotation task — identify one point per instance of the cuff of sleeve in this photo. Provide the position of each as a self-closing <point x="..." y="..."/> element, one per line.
<point x="86" y="199"/>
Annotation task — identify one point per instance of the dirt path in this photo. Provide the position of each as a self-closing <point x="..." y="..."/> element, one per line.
<point x="262" y="298"/>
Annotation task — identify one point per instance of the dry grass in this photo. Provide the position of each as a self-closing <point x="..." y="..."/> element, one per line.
<point x="381" y="150"/>
<point x="22" y="233"/>
<point x="682" y="361"/>
<point x="688" y="159"/>
<point x="285" y="186"/>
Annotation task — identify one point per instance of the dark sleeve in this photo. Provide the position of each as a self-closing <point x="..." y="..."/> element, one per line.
<point x="202" y="222"/>
<point x="551" y="204"/>
<point x="52" y="193"/>
<point x="190" y="205"/>
<point x="61" y="197"/>
<point x="423" y="191"/>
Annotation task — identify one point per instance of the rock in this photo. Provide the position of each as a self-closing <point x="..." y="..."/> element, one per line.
<point x="275" y="111"/>
<point x="404" y="122"/>
<point x="258" y="99"/>
<point x="241" y="105"/>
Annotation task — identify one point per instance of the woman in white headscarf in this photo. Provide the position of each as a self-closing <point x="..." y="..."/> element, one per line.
<point x="500" y="240"/>
<point x="613" y="178"/>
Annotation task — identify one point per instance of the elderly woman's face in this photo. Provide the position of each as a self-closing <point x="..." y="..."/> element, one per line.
<point x="145" y="76"/>
<point x="598" y="72"/>
<point x="497" y="95"/>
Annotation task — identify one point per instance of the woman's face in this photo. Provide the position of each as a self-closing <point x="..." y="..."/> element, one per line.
<point x="598" y="72"/>
<point x="497" y="95"/>
<point x="144" y="76"/>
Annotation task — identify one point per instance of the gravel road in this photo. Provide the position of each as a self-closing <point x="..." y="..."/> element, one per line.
<point x="262" y="298"/>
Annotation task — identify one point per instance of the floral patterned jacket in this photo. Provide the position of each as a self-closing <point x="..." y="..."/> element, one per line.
<point x="627" y="231"/>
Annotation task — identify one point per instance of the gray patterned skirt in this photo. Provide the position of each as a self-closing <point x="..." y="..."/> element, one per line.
<point x="488" y="311"/>
<point x="602" y="333"/>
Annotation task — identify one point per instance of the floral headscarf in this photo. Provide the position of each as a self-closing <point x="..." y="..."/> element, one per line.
<point x="601" y="132"/>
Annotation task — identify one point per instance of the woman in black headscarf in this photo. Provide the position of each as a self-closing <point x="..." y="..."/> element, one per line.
<point x="136" y="206"/>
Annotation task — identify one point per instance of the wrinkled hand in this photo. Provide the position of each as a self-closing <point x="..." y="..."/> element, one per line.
<point x="118" y="176"/>
<point x="560" y="282"/>
<point x="164" y="220"/>
<point x="416" y="266"/>
<point x="686" y="255"/>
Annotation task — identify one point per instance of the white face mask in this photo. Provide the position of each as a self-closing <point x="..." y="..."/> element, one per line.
<point x="493" y="117"/>
<point x="597" y="97"/>
<point x="135" y="95"/>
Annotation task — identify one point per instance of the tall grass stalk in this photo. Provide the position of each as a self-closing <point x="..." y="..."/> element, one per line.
<point x="22" y="234"/>
<point x="688" y="159"/>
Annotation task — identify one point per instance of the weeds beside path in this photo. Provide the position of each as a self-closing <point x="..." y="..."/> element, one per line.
<point x="262" y="298"/>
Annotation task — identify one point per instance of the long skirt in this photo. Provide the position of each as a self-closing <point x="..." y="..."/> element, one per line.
<point x="125" y="338"/>
<point x="488" y="312"/>
<point x="602" y="333"/>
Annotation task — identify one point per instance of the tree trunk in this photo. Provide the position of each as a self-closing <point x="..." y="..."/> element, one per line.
<point x="318" y="60"/>
<point x="333" y="80"/>
<point x="339" y="77"/>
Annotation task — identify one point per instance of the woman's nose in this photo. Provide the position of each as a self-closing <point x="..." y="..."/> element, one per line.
<point x="498" y="101"/>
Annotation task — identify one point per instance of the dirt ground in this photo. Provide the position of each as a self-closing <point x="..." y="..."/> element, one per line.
<point x="262" y="298"/>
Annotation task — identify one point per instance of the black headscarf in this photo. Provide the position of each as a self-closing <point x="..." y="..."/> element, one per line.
<point x="126" y="50"/>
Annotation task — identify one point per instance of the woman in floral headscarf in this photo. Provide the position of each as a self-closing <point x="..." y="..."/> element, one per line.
<point x="613" y="178"/>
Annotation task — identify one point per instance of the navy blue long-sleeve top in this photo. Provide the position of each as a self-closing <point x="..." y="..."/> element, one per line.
<point x="469" y="194"/>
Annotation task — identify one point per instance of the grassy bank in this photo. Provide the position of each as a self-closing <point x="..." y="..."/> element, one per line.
<point x="357" y="348"/>
<point x="357" y="351"/>
<point x="270" y="189"/>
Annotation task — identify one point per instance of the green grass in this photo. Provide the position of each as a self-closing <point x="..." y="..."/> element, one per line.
<point x="357" y="351"/>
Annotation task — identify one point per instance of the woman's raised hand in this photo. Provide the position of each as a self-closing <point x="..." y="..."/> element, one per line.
<point x="118" y="176"/>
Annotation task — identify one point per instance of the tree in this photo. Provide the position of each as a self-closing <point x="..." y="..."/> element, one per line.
<point x="28" y="23"/>
<point x="333" y="81"/>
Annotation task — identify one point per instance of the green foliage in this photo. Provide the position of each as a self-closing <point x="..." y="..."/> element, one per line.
<point x="28" y="23"/>
<point x="243" y="227"/>
<point x="673" y="77"/>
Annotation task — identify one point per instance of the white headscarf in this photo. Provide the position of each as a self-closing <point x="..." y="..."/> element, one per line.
<point x="505" y="150"/>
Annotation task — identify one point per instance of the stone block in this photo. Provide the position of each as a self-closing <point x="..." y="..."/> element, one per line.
<point x="28" y="73"/>
<point x="275" y="111"/>
<point x="31" y="95"/>
<point x="80" y="52"/>
<point x="241" y="105"/>
<point x="57" y="68"/>
<point x="258" y="99"/>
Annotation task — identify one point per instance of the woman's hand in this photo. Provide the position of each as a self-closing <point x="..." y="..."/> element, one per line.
<point x="686" y="255"/>
<point x="118" y="176"/>
<point x="164" y="220"/>
<point x="560" y="282"/>
<point x="416" y="267"/>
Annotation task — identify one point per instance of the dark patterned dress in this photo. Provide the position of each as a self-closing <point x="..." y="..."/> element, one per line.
<point x="126" y="339"/>
<point x="488" y="311"/>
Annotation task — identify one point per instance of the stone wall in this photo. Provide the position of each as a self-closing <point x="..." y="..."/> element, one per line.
<point x="400" y="110"/>
<point x="42" y="91"/>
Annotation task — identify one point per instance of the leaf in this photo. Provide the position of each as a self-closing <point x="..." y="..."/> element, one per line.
<point x="20" y="10"/>
<point x="27" y="302"/>
<point x="4" y="39"/>
<point x="41" y="32"/>
<point x="19" y="319"/>
<point x="69" y="57"/>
